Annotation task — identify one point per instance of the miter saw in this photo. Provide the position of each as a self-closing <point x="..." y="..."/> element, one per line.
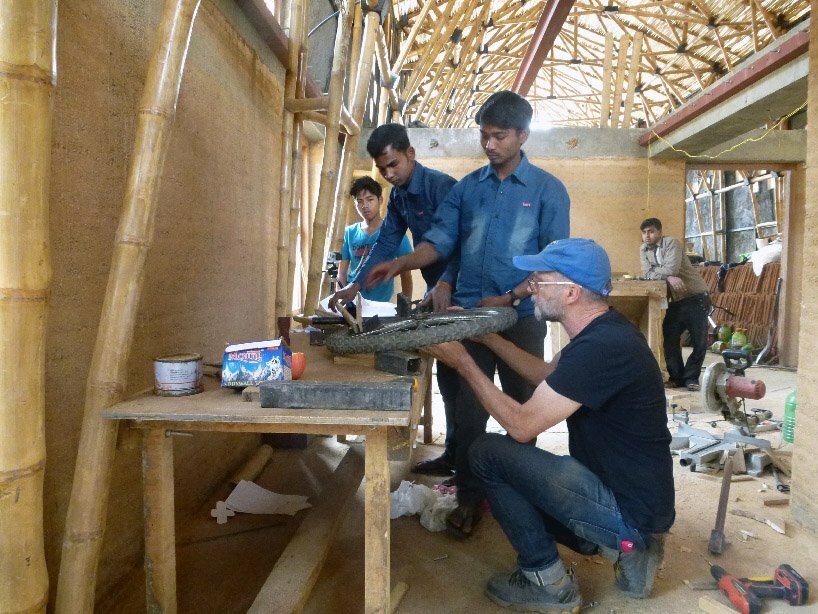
<point x="724" y="390"/>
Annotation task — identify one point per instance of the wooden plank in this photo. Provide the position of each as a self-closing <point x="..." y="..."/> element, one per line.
<point x="711" y="606"/>
<point x="400" y="440"/>
<point x="376" y="524"/>
<point x="160" y="536"/>
<point x="293" y="577"/>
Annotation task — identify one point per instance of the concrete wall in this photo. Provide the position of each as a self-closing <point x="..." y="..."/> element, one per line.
<point x="204" y="283"/>
<point x="792" y="261"/>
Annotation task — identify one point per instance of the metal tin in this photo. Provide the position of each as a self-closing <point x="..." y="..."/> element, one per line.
<point x="177" y="375"/>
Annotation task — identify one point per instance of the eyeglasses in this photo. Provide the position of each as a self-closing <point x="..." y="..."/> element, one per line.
<point x="533" y="284"/>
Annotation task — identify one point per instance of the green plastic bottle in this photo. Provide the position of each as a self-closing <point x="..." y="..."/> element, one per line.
<point x="738" y="339"/>
<point x="789" y="417"/>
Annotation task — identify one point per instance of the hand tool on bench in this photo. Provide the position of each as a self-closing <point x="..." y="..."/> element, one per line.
<point x="716" y="545"/>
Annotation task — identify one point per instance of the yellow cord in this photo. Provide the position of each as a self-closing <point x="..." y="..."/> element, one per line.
<point x="736" y="146"/>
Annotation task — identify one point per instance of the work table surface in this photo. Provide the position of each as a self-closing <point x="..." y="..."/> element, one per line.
<point x="222" y="405"/>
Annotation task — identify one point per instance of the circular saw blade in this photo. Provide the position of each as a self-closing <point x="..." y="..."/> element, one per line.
<point x="714" y="376"/>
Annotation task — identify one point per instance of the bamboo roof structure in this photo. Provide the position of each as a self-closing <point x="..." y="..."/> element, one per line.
<point x="637" y="60"/>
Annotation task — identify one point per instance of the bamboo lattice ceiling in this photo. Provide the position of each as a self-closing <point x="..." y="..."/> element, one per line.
<point x="465" y="50"/>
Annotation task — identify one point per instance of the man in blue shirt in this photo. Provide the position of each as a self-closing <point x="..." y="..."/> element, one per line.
<point x="501" y="210"/>
<point x="361" y="236"/>
<point x="614" y="493"/>
<point x="417" y="191"/>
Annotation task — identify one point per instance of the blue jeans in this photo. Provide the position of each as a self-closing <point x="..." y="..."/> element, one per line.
<point x="470" y="418"/>
<point x="541" y="499"/>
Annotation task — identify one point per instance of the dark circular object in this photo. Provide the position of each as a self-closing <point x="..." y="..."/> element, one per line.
<point x="424" y="329"/>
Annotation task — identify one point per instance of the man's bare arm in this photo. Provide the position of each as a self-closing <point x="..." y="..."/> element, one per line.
<point x="524" y="421"/>
<point x="424" y="255"/>
<point x="343" y="270"/>
<point x="533" y="369"/>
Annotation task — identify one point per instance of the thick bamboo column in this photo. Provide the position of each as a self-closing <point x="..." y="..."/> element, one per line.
<point x="621" y="64"/>
<point x="298" y="168"/>
<point x="85" y="524"/>
<point x="283" y="283"/>
<point x="633" y="78"/>
<point x="329" y="168"/>
<point x="27" y="77"/>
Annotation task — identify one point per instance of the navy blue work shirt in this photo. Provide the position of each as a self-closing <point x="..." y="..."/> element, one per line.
<point x="494" y="221"/>
<point x="411" y="206"/>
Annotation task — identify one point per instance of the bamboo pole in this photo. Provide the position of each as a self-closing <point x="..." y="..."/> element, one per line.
<point x="633" y="78"/>
<point x="606" y="80"/>
<point x="299" y="105"/>
<point x="329" y="167"/>
<point x="27" y="78"/>
<point x="354" y="52"/>
<point x="621" y="64"/>
<point x="298" y="172"/>
<point x="283" y="281"/>
<point x="387" y="77"/>
<point x="359" y="91"/>
<point x="410" y="38"/>
<point x="107" y="377"/>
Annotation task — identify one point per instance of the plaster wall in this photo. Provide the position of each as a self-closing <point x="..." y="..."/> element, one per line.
<point x="792" y="261"/>
<point x="206" y="270"/>
<point x="609" y="197"/>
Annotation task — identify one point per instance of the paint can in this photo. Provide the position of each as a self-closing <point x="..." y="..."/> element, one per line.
<point x="177" y="375"/>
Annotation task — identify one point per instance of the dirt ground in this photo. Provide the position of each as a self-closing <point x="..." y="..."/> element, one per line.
<point x="222" y="567"/>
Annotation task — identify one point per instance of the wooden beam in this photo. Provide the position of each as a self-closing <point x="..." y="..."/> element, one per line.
<point x="289" y="584"/>
<point x="551" y="21"/>
<point x="621" y="64"/>
<point x="633" y="79"/>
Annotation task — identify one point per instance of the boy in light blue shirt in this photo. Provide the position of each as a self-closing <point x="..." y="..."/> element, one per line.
<point x="359" y="239"/>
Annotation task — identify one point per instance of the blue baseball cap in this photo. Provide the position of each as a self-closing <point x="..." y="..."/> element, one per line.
<point x="581" y="260"/>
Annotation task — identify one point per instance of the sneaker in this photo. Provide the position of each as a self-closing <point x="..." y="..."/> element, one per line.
<point x="517" y="592"/>
<point x="636" y="570"/>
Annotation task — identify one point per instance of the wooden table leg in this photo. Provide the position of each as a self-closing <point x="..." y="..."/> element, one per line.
<point x="376" y="523"/>
<point x="160" y="534"/>
<point x="427" y="407"/>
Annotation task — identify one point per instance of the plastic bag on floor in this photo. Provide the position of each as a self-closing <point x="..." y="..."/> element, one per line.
<point x="410" y="498"/>
<point x="432" y="505"/>
<point x="433" y="517"/>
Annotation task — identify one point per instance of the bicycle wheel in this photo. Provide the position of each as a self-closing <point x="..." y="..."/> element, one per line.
<point x="424" y="329"/>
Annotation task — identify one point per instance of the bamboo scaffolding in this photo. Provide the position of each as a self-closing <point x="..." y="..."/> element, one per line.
<point x="410" y="38"/>
<point x="283" y="282"/>
<point x="387" y="77"/>
<point x="85" y="524"/>
<point x="27" y="79"/>
<point x="329" y="166"/>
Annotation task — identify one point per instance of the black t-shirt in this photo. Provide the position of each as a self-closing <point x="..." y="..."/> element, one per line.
<point x="620" y="432"/>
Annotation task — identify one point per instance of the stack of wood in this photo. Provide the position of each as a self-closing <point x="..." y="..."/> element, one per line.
<point x="749" y="298"/>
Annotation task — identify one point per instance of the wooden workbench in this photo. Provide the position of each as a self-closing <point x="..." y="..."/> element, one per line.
<point x="643" y="302"/>
<point x="386" y="432"/>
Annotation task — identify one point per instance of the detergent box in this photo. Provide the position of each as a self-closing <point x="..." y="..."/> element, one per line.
<point x="247" y="364"/>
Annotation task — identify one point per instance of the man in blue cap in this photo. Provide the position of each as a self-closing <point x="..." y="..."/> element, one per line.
<point x="613" y="494"/>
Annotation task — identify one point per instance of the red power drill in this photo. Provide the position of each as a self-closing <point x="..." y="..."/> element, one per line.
<point x="746" y="593"/>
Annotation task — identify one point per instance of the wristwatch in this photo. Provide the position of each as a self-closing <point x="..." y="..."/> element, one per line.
<point x="515" y="302"/>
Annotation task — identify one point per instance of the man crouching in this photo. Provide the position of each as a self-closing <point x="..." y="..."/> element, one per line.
<point x="614" y="494"/>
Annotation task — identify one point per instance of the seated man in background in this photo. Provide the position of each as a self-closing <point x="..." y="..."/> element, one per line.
<point x="664" y="258"/>
<point x="359" y="238"/>
<point x="614" y="493"/>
